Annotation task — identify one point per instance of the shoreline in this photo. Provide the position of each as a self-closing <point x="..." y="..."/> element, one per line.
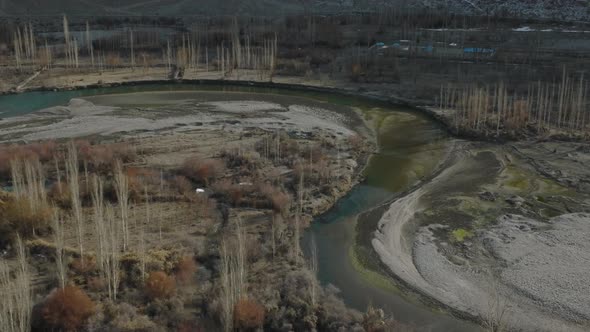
<point x="392" y="101"/>
<point x="423" y="107"/>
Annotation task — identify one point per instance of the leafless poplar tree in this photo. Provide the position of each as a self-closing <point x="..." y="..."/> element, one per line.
<point x="58" y="239"/>
<point x="112" y="249"/>
<point x="16" y="302"/>
<point x="73" y="177"/>
<point x="99" y="222"/>
<point x="233" y="274"/>
<point x="122" y="190"/>
<point x="89" y="46"/>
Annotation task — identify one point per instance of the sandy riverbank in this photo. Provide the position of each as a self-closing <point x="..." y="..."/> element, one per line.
<point x="493" y="261"/>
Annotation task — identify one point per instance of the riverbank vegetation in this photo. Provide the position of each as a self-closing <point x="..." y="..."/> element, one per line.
<point x="546" y="108"/>
<point x="92" y="239"/>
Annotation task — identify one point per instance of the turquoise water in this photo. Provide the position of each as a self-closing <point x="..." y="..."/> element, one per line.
<point x="410" y="146"/>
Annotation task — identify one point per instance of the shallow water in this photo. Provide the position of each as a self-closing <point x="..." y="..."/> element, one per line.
<point x="410" y="146"/>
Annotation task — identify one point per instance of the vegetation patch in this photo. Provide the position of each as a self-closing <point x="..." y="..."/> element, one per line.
<point x="460" y="234"/>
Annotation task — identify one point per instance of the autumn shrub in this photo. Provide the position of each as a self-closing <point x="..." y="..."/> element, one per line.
<point x="315" y="153"/>
<point x="247" y="161"/>
<point x="185" y="269"/>
<point x="189" y="326"/>
<point x="141" y="178"/>
<point x="59" y="193"/>
<point x="248" y="314"/>
<point x="180" y="185"/>
<point x="113" y="60"/>
<point x="277" y="199"/>
<point x="159" y="285"/>
<point x="43" y="151"/>
<point x="101" y="157"/>
<point x="67" y="309"/>
<point x="18" y="216"/>
<point x="202" y="170"/>
<point x="96" y="284"/>
<point x="355" y="142"/>
<point x="232" y="192"/>
<point x="83" y="266"/>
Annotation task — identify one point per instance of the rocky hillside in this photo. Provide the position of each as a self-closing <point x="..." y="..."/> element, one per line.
<point x="562" y="10"/>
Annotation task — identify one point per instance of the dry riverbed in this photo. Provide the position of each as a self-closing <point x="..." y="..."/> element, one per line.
<point x="498" y="236"/>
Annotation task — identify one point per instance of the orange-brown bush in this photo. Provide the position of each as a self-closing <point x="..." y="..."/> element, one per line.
<point x="67" y="309"/>
<point x="248" y="314"/>
<point x="43" y="151"/>
<point x="17" y="216"/>
<point x="189" y="327"/>
<point x="180" y="184"/>
<point x="202" y="170"/>
<point x="279" y="200"/>
<point x="96" y="284"/>
<point x="355" y="141"/>
<point x="232" y="191"/>
<point x="140" y="179"/>
<point x="102" y="156"/>
<point x="261" y="195"/>
<point x="159" y="285"/>
<point x="185" y="269"/>
<point x="113" y="60"/>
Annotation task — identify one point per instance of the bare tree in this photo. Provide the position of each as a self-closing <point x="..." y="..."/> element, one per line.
<point x="122" y="190"/>
<point x="132" y="49"/>
<point x="233" y="274"/>
<point x="58" y="238"/>
<point x="28" y="182"/>
<point x="73" y="178"/>
<point x="67" y="41"/>
<point x="16" y="302"/>
<point x="89" y="46"/>
<point x="313" y="268"/>
<point x="111" y="271"/>
<point x="99" y="221"/>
